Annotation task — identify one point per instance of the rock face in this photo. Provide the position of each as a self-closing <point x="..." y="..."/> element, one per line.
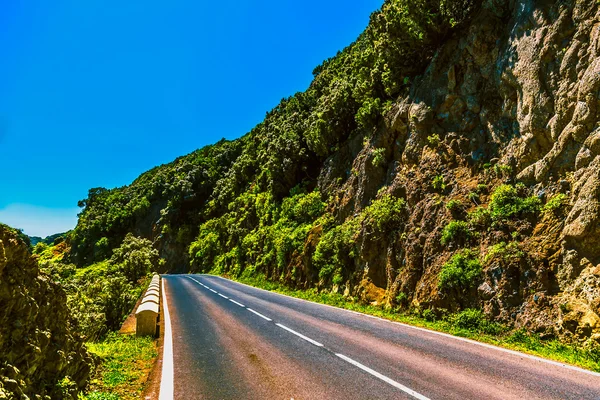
<point x="518" y="88"/>
<point x="41" y="356"/>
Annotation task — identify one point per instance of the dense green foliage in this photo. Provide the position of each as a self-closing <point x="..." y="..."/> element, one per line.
<point x="100" y="296"/>
<point x="508" y="202"/>
<point x="461" y="272"/>
<point x="555" y="203"/>
<point x="169" y="195"/>
<point x="475" y="320"/>
<point x="337" y="247"/>
<point x="455" y="231"/>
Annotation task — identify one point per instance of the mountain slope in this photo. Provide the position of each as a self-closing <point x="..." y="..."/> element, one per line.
<point x="446" y="160"/>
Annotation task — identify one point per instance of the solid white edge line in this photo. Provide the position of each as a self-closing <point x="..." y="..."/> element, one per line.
<point x="223" y="296"/>
<point x="166" y="379"/>
<point x="235" y="302"/>
<point x="383" y="378"/>
<point x="300" y="335"/>
<point x="447" y="335"/>
<point x="259" y="314"/>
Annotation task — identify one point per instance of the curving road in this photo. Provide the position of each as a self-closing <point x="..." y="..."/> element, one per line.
<point x="232" y="341"/>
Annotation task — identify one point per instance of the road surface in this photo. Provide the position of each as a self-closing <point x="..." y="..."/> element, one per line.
<point x="232" y="341"/>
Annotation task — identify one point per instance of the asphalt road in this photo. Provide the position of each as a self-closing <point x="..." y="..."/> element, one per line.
<point x="231" y="341"/>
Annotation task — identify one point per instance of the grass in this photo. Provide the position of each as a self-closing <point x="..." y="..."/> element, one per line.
<point x="125" y="361"/>
<point x="468" y="324"/>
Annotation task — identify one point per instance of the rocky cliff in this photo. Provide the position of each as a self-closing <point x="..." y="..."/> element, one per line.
<point x="448" y="159"/>
<point x="513" y="98"/>
<point x="41" y="355"/>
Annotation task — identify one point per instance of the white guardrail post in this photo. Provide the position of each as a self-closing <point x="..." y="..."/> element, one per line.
<point x="146" y="315"/>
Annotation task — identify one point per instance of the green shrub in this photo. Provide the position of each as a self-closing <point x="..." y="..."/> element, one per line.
<point x="474" y="320"/>
<point x="502" y="170"/>
<point x="454" y="206"/>
<point x="480" y="217"/>
<point x="207" y="246"/>
<point x="434" y="140"/>
<point x="429" y="315"/>
<point x="39" y="248"/>
<point x="335" y="249"/>
<point x="66" y="387"/>
<point x="507" y="252"/>
<point x="555" y="203"/>
<point x="302" y="208"/>
<point x="378" y="157"/>
<point x="457" y="11"/>
<point x="135" y="257"/>
<point x="101" y="295"/>
<point x="368" y="113"/>
<point x="102" y="249"/>
<point x="100" y="298"/>
<point x="337" y="246"/>
<point x="455" y="231"/>
<point x="438" y="183"/>
<point x="593" y="350"/>
<point x="384" y="214"/>
<point x="401" y="298"/>
<point x="338" y="279"/>
<point x="506" y="204"/>
<point x="461" y="272"/>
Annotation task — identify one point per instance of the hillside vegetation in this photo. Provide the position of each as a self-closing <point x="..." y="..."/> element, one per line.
<point x="445" y="163"/>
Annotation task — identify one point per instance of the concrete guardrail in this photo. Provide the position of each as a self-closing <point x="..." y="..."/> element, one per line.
<point x="146" y="316"/>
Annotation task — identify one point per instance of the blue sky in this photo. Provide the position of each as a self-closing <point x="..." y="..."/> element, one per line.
<point x="95" y="92"/>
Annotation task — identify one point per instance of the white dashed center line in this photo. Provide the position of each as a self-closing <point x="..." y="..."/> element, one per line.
<point x="223" y="296"/>
<point x="198" y="282"/>
<point x="300" y="335"/>
<point x="383" y="378"/>
<point x="259" y="314"/>
<point x="235" y="302"/>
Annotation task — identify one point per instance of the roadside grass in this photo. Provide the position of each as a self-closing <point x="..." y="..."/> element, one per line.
<point x="470" y="324"/>
<point x="125" y="361"/>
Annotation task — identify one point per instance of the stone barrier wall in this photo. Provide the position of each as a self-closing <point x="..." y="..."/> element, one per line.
<point x="146" y="316"/>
